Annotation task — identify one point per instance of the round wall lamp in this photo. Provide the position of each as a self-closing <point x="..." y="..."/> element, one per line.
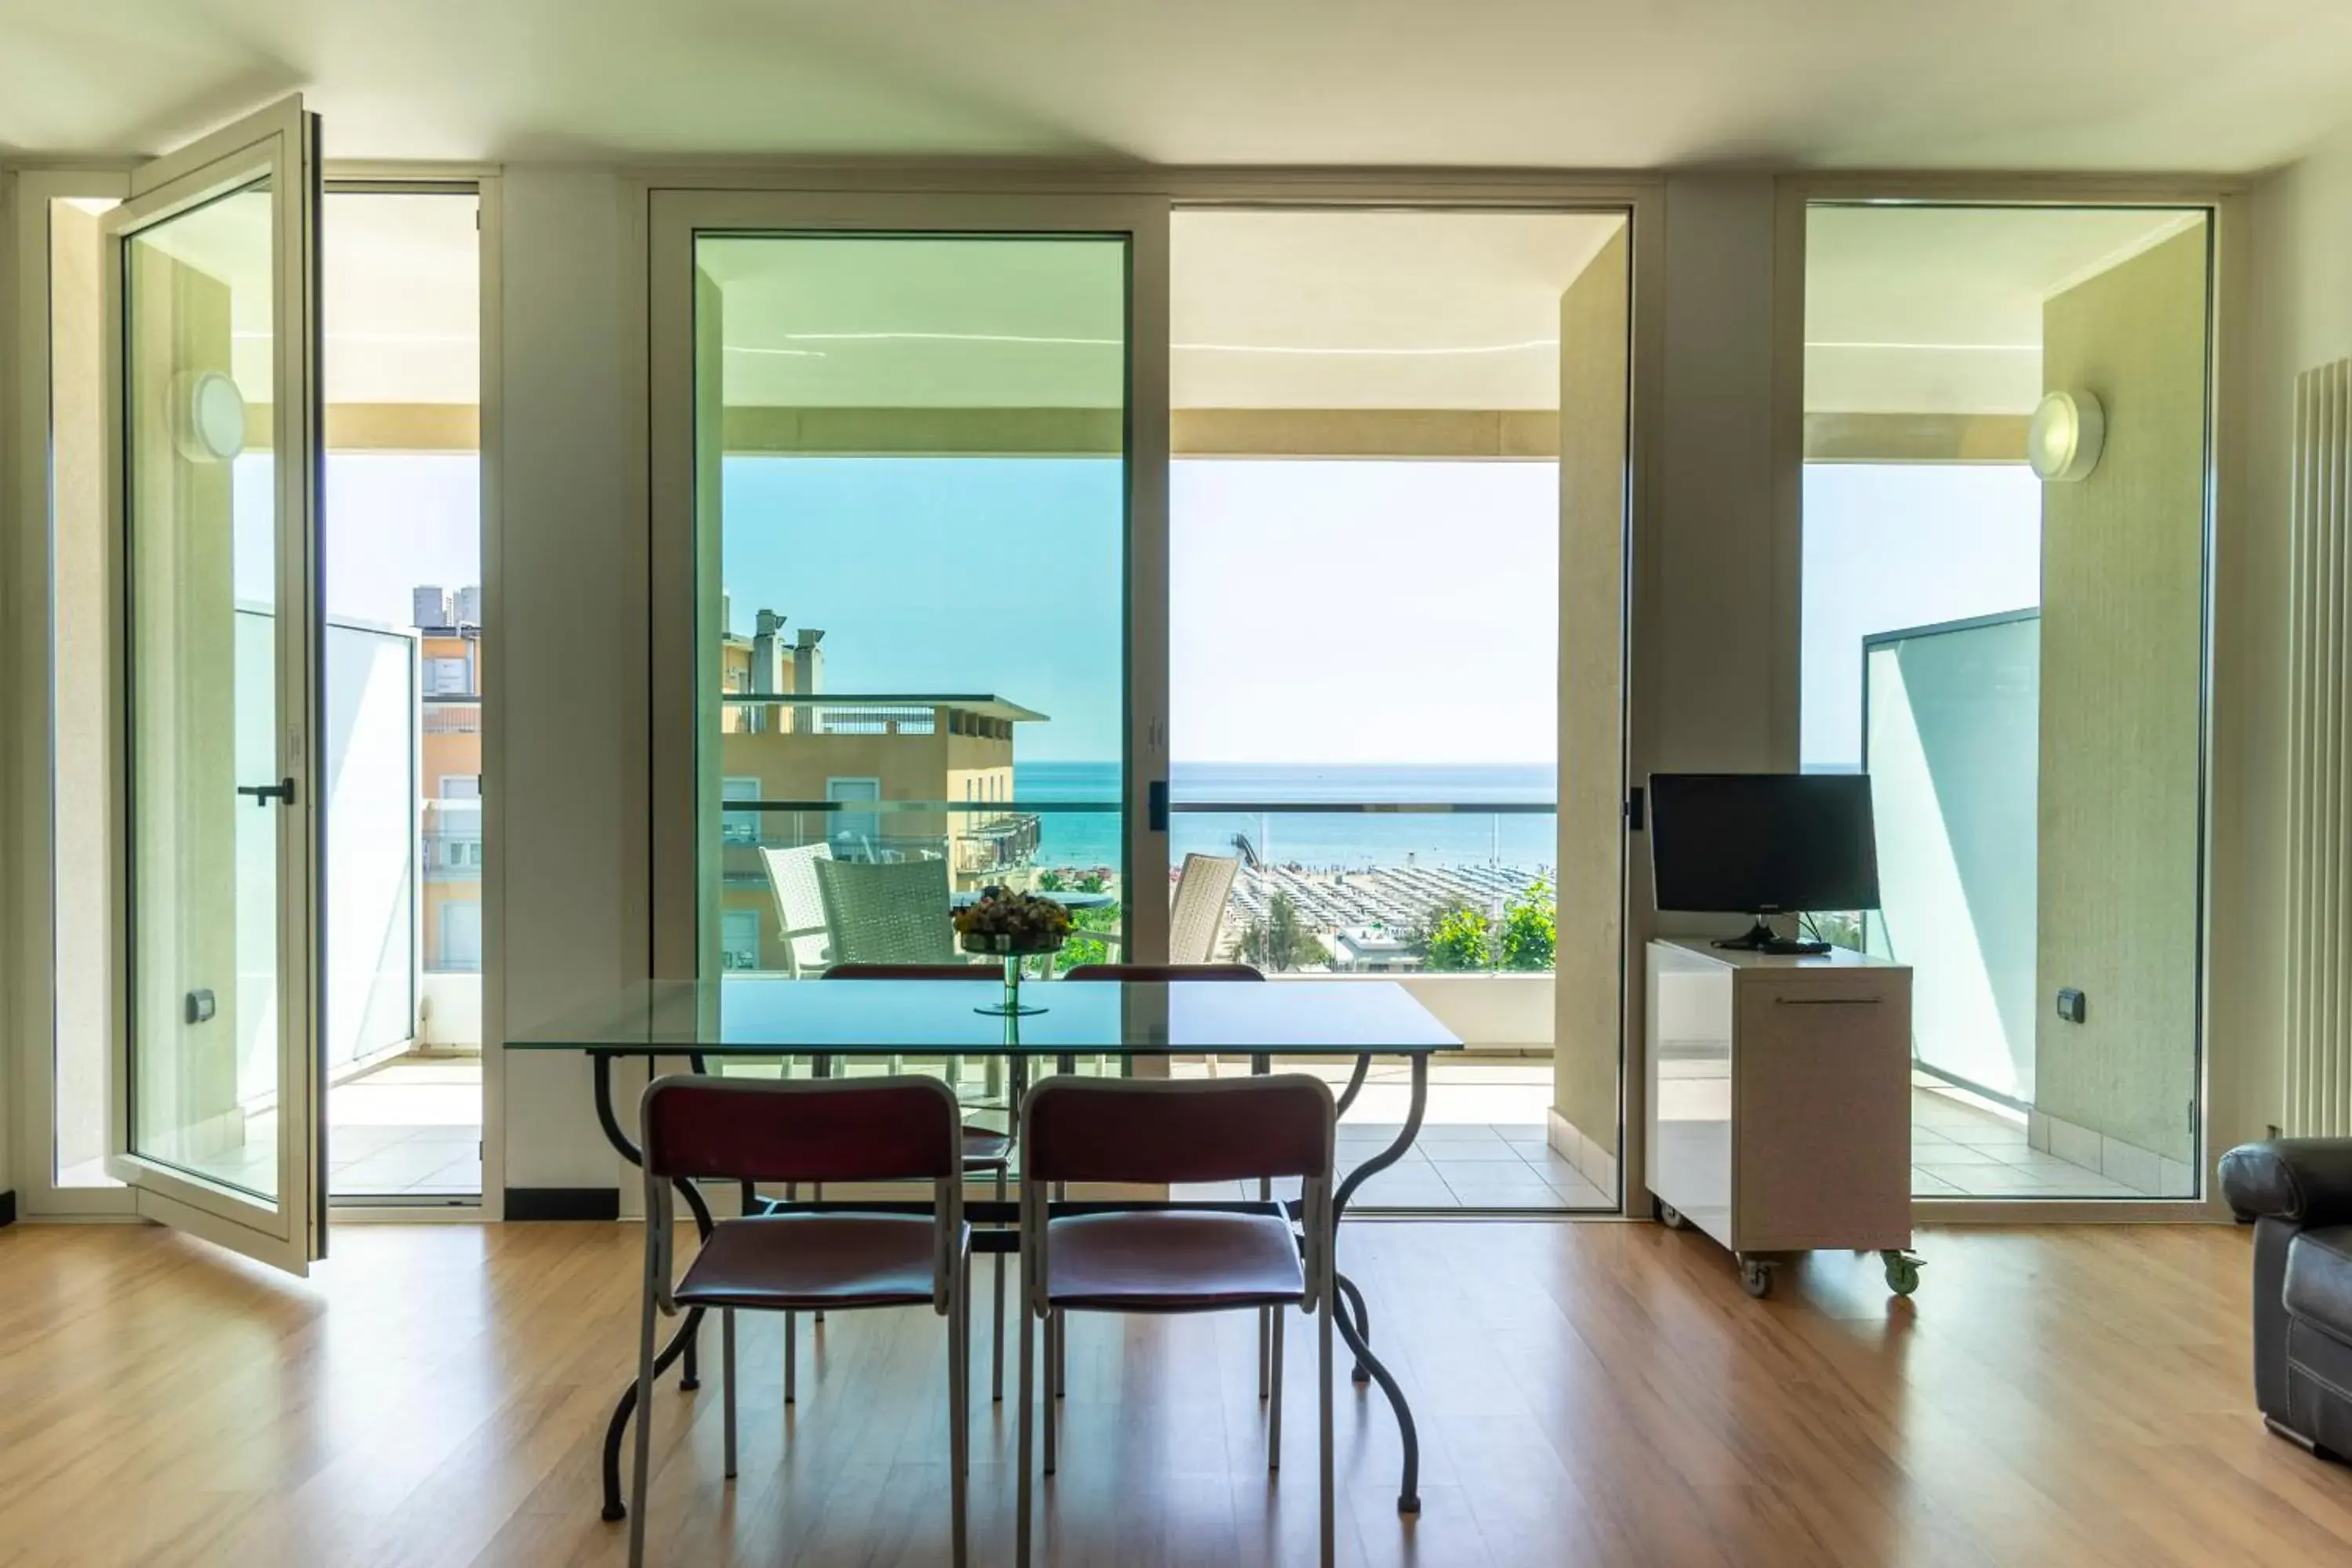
<point x="2063" y="437"/>
<point x="212" y="418"/>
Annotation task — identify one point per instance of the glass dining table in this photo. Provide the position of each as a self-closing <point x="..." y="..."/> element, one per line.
<point x="702" y="1024"/>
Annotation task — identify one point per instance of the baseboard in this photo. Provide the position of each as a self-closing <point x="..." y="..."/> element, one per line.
<point x="2159" y="1175"/>
<point x="8" y="1206"/>
<point x="563" y="1202"/>
<point x="1593" y="1162"/>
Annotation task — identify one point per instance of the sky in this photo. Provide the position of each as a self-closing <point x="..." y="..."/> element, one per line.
<point x="393" y="521"/>
<point x="1326" y="612"/>
<point x="1348" y="613"/>
<point x="1890" y="546"/>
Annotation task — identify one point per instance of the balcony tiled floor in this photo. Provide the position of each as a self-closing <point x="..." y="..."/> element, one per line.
<point x="1481" y="1144"/>
<point x="409" y="1129"/>
<point x="1963" y="1147"/>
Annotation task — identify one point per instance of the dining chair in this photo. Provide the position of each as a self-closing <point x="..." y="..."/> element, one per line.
<point x="985" y="1152"/>
<point x="1204" y="884"/>
<point x="892" y="912"/>
<point x="1171" y="1257"/>
<point x="800" y="907"/>
<point x="698" y="1128"/>
<point x="1056" y="1344"/>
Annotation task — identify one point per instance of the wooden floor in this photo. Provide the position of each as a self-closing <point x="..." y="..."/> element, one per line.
<point x="1589" y="1394"/>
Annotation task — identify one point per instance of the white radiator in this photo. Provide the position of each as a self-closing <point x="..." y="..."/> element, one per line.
<point x="2319" y="714"/>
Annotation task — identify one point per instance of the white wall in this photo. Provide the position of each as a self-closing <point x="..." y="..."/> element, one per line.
<point x="2298" y="311"/>
<point x="566" y="661"/>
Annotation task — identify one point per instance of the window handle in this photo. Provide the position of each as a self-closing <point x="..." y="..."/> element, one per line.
<point x="282" y="790"/>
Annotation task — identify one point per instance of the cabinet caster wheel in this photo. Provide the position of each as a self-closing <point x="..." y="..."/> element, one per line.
<point x="1902" y="1272"/>
<point x="1756" y="1277"/>
<point x="1668" y="1216"/>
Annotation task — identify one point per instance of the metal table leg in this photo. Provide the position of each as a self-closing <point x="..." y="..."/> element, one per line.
<point x="681" y="1343"/>
<point x="1408" y="1488"/>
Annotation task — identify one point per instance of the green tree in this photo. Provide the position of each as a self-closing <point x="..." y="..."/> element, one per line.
<point x="1280" y="939"/>
<point x="1080" y="946"/>
<point x="1050" y="881"/>
<point x="1454" y="936"/>
<point x="1092" y="882"/>
<point x="1530" y="934"/>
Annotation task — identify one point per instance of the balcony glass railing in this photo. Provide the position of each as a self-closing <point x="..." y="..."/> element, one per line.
<point x="772" y="918"/>
<point x="1383" y="887"/>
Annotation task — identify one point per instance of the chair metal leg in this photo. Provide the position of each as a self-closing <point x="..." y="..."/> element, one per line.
<point x="727" y="1382"/>
<point x="1026" y="1327"/>
<point x="1061" y="1354"/>
<point x="643" y="1463"/>
<point x="996" y="1338"/>
<point x="959" y="1418"/>
<point x="1323" y="1394"/>
<point x="1273" y="1403"/>
<point x="791" y="1321"/>
<point x="1053" y="1355"/>
<point x="1265" y="1342"/>
<point x="816" y="1194"/>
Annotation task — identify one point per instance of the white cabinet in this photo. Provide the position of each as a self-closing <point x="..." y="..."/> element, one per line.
<point x="1780" y="1115"/>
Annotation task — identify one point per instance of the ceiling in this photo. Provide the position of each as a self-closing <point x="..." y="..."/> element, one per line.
<point x="1266" y="309"/>
<point x="1919" y="309"/>
<point x="2211" y="85"/>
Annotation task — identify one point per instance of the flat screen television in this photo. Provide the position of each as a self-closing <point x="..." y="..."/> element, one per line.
<point x="1762" y="844"/>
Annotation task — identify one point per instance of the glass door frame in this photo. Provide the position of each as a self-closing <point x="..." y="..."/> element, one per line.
<point x="32" y="750"/>
<point x="279" y="144"/>
<point x="675" y="220"/>
<point x="2229" y="968"/>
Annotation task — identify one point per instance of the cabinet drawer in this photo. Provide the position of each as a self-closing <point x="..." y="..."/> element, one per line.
<point x="1823" y="1139"/>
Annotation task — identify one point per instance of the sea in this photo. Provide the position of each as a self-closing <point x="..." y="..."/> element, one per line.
<point x="1341" y="839"/>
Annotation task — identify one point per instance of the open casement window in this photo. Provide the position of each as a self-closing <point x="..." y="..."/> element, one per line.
<point x="212" y="466"/>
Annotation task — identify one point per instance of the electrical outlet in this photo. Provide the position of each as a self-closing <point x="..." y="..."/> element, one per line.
<point x="2072" y="1005"/>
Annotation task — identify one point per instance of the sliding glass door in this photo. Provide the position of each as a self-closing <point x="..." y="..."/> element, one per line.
<point x="1265" y="604"/>
<point x="2015" y="652"/>
<point x="915" y="529"/>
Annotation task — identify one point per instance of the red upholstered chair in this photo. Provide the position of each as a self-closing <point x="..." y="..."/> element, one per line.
<point x="1173" y="1258"/>
<point x="846" y="1129"/>
<point x="986" y="1152"/>
<point x="1056" y="1351"/>
<point x="1146" y="971"/>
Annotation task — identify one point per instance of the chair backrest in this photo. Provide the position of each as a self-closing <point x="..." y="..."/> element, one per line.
<point x="1202" y="886"/>
<point x="1181" y="1130"/>
<point x="889" y="912"/>
<point x="808" y="1130"/>
<point x="1163" y="972"/>
<point x="800" y="907"/>
<point x="911" y="971"/>
<point x="692" y="1127"/>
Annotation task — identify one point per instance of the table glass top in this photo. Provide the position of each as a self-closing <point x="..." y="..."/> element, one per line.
<point x="756" y="1015"/>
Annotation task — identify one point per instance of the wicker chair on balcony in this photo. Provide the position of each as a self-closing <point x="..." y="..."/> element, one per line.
<point x="800" y="906"/>
<point x="887" y="912"/>
<point x="1203" y="886"/>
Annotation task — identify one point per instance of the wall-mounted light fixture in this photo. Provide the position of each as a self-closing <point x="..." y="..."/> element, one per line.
<point x="212" y="415"/>
<point x="2063" y="439"/>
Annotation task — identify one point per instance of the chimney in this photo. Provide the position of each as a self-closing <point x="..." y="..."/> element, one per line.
<point x="808" y="663"/>
<point x="768" y="667"/>
<point x="429" y="605"/>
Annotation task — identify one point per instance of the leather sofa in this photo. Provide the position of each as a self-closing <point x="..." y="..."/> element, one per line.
<point x="2298" y="1193"/>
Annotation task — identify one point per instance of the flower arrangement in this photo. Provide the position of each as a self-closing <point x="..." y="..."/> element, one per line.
<point x="1002" y="921"/>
